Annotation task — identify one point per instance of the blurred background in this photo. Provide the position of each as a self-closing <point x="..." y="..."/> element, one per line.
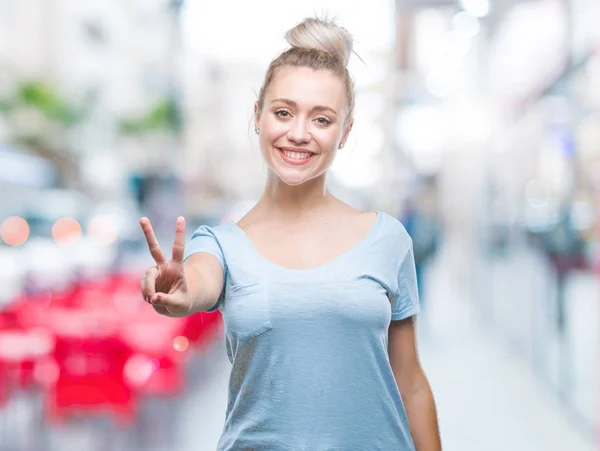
<point x="477" y="125"/>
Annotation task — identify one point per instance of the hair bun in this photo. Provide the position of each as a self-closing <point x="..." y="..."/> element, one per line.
<point x="324" y="35"/>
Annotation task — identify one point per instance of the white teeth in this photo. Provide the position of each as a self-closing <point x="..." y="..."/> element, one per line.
<point x="297" y="155"/>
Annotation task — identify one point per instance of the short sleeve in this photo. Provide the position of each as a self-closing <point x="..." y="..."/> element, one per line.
<point x="405" y="303"/>
<point x="204" y="240"/>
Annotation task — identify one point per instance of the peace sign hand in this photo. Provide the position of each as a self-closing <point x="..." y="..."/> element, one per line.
<point x="164" y="285"/>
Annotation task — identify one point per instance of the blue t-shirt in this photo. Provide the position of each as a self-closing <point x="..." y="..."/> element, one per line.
<point x="309" y="346"/>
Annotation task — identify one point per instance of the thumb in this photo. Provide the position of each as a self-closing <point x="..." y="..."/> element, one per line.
<point x="175" y="300"/>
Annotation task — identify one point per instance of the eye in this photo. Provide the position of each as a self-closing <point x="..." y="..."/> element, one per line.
<point x="282" y="113"/>
<point x="323" y="121"/>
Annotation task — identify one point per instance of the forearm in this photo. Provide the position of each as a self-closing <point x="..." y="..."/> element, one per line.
<point x="195" y="290"/>
<point x="422" y="416"/>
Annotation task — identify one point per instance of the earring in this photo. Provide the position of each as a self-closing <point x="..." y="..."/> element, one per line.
<point x="256" y="130"/>
<point x="341" y="145"/>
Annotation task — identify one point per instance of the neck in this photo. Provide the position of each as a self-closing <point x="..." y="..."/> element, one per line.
<point x="294" y="201"/>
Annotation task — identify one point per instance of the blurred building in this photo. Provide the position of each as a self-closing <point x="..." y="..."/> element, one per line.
<point x="113" y="60"/>
<point x="222" y="159"/>
<point x="501" y="101"/>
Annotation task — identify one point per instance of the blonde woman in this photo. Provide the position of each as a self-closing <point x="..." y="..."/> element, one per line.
<point x="318" y="299"/>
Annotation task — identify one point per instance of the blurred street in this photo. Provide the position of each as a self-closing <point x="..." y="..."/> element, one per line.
<point x="488" y="397"/>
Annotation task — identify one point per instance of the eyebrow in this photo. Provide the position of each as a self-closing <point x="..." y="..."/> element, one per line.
<point x="294" y="104"/>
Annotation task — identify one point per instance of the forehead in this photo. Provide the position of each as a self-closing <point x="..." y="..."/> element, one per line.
<point x="308" y="87"/>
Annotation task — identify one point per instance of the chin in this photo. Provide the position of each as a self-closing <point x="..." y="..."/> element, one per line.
<point x="292" y="179"/>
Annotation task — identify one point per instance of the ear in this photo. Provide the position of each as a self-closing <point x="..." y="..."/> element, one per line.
<point x="346" y="133"/>
<point x="256" y="115"/>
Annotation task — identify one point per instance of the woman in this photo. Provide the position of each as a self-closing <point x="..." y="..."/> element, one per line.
<point x="318" y="299"/>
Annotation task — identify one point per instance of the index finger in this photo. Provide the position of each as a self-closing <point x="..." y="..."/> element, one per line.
<point x="152" y="241"/>
<point x="179" y="243"/>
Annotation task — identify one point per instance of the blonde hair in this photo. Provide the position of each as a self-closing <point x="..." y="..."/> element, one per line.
<point x="316" y="44"/>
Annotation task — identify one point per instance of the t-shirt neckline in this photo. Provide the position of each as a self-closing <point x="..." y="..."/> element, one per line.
<point x="326" y="265"/>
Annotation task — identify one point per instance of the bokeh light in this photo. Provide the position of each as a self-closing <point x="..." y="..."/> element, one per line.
<point x="14" y="231"/>
<point x="180" y="343"/>
<point x="66" y="229"/>
<point x="139" y="368"/>
<point x="476" y="8"/>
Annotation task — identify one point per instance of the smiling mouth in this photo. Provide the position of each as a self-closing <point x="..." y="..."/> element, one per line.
<point x="296" y="157"/>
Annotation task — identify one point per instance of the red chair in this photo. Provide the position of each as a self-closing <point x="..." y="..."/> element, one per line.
<point x="20" y="352"/>
<point x="90" y="360"/>
<point x="90" y="380"/>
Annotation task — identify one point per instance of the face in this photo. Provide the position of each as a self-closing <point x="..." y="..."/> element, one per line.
<point x="303" y="122"/>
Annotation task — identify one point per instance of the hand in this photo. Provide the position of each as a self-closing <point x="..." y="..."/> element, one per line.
<point x="164" y="285"/>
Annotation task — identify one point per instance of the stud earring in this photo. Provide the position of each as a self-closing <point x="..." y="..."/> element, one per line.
<point x="341" y="145"/>
<point x="256" y="130"/>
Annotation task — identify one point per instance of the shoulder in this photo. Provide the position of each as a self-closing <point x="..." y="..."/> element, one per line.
<point x="362" y="222"/>
<point x="393" y="243"/>
<point x="392" y="227"/>
<point x="213" y="231"/>
<point x="211" y="237"/>
<point x="214" y="240"/>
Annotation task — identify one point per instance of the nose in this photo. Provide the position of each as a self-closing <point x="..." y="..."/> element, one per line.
<point x="298" y="132"/>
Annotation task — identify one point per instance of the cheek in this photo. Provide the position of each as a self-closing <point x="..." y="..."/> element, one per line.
<point x="270" y="134"/>
<point x="327" y="140"/>
<point x="271" y="129"/>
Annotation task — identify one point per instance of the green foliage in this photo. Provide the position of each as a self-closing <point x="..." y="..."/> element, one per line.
<point x="44" y="98"/>
<point x="163" y="116"/>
